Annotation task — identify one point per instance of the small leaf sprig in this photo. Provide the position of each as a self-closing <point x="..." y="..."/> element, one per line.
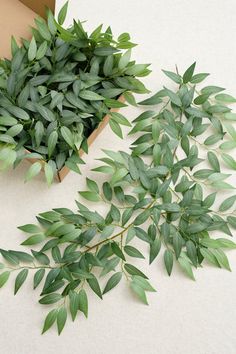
<point x="56" y="90"/>
<point x="158" y="194"/>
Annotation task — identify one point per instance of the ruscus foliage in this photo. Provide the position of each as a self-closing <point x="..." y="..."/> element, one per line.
<point x="56" y="90"/>
<point x="161" y="193"/>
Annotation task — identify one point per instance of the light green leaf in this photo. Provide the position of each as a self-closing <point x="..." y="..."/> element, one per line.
<point x="62" y="14"/>
<point x="132" y="270"/>
<point x="52" y="142"/>
<point x="90" y="95"/>
<point x="20" y="279"/>
<point x="67" y="136"/>
<point x="50" y="320"/>
<point x="112" y="282"/>
<point x="227" y="203"/>
<point x="116" y="128"/>
<point x="4" y="278"/>
<point x="83" y="302"/>
<point x="33" y="171"/>
<point x="168" y="260"/>
<point x="139" y="291"/>
<point x="188" y="75"/>
<point x="33" y="240"/>
<point x="91" y="196"/>
<point x="133" y="252"/>
<point x="32" y="49"/>
<point x="61" y="319"/>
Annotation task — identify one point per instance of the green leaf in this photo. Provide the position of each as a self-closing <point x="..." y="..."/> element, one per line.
<point x="124" y="60"/>
<point x="188" y="75"/>
<point x="42" y="50"/>
<point x="10" y="257"/>
<point x="213" y="160"/>
<point x="90" y="95"/>
<point x="94" y="285"/>
<point x="50" y="320"/>
<point x="49" y="173"/>
<point x="212" y="139"/>
<point x="191" y="252"/>
<point x="45" y="112"/>
<point x="155" y="247"/>
<point x="67" y="136"/>
<point x="33" y="240"/>
<point x="117" y="251"/>
<point x="173" y="97"/>
<point x="143" y="283"/>
<point x="116" y="128"/>
<point x="207" y="254"/>
<point x="8" y="121"/>
<point x="229" y="161"/>
<point x="141" y="218"/>
<point x="223" y="97"/>
<point x="43" y="29"/>
<point x="230" y="116"/>
<point x="108" y="65"/>
<point x="232" y="221"/>
<point x="4" y="278"/>
<point x="132" y="270"/>
<point x="33" y="171"/>
<point x="91" y="196"/>
<point x="83" y="302"/>
<point x="38" y="277"/>
<point x="120" y="119"/>
<point x="92" y="185"/>
<point x="177" y="244"/>
<point x="222" y="185"/>
<point x="210" y="90"/>
<point x="186" y="267"/>
<point x="173" y="76"/>
<point x="18" y="112"/>
<point x="20" y="279"/>
<point x="168" y="260"/>
<point x="153" y="100"/>
<point x="198" y="78"/>
<point x="61" y="319"/>
<point x="227" y="203"/>
<point x="52" y="142"/>
<point x="107" y="191"/>
<point x="139" y="291"/>
<point x="32" y="50"/>
<point x="133" y="252"/>
<point x="118" y="176"/>
<point x="41" y="257"/>
<point x="129" y="97"/>
<point x="104" y="51"/>
<point x="74" y="304"/>
<point x="50" y="299"/>
<point x="29" y="228"/>
<point x="221" y="258"/>
<point x="62" y="14"/>
<point x="112" y="282"/>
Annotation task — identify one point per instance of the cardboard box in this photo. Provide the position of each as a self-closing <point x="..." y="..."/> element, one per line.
<point x="16" y="18"/>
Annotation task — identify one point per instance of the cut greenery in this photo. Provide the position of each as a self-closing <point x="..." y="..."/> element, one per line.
<point x="159" y="195"/>
<point x="57" y="88"/>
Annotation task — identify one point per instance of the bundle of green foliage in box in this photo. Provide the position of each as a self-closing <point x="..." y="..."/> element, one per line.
<point x="56" y="90"/>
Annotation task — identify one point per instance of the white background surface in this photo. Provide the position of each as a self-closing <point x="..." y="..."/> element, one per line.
<point x="184" y="317"/>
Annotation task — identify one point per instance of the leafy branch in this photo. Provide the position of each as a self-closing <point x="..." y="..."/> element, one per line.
<point x="163" y="193"/>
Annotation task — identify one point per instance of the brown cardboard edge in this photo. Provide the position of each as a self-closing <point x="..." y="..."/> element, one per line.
<point x="65" y="170"/>
<point x="39" y="6"/>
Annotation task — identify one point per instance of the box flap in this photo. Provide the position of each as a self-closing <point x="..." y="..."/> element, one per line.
<point x="16" y="19"/>
<point x="39" y="6"/>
